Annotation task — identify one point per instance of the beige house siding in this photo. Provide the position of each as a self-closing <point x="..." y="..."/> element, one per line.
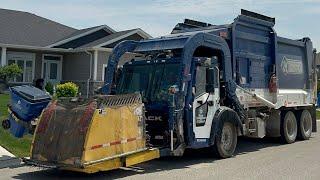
<point x="38" y="65"/>
<point x="102" y="59"/>
<point x="76" y="67"/>
<point x="318" y="65"/>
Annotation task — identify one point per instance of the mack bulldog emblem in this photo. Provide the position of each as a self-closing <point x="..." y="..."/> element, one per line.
<point x="154" y="118"/>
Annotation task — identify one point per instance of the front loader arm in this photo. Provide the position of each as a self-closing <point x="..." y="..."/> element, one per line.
<point x="117" y="52"/>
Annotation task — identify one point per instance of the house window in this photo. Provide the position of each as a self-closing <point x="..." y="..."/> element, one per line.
<point x="26" y="62"/>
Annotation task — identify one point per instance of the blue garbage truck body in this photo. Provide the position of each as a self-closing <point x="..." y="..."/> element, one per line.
<point x="204" y="85"/>
<point x="257" y="52"/>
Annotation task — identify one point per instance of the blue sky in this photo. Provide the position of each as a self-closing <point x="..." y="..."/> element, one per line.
<point x="294" y="18"/>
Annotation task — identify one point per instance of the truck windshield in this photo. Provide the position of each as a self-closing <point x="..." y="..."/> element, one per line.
<point x="151" y="80"/>
<point x="134" y="79"/>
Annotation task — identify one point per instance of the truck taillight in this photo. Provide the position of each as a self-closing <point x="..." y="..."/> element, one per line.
<point x="273" y="84"/>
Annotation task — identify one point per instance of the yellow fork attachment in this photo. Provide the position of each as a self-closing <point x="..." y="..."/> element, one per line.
<point x="117" y="162"/>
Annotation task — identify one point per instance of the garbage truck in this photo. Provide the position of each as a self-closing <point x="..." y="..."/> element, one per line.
<point x="202" y="86"/>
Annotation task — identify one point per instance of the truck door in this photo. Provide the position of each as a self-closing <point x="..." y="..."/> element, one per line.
<point x="204" y="104"/>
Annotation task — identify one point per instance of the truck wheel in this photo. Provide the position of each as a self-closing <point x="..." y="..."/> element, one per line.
<point x="305" y="125"/>
<point x="289" y="128"/>
<point x="6" y="124"/>
<point x="226" y="143"/>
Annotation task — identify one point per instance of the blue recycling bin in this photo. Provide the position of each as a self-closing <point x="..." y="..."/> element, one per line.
<point x="27" y="103"/>
<point x="16" y="129"/>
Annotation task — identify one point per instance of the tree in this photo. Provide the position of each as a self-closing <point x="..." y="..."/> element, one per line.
<point x="9" y="71"/>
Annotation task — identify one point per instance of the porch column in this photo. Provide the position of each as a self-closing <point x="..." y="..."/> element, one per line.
<point x="95" y="65"/>
<point x="3" y="56"/>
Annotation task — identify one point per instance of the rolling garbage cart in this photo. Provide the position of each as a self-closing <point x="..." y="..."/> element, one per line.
<point x="26" y="105"/>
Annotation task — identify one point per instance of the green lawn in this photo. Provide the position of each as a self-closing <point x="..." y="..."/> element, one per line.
<point x="17" y="146"/>
<point x="318" y="114"/>
<point x="4" y="100"/>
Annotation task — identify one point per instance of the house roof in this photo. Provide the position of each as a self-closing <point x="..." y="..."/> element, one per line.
<point x="23" y="28"/>
<point x="81" y="33"/>
<point x="115" y="37"/>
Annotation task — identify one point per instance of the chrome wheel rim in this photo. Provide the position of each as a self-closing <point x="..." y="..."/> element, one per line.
<point x="306" y="124"/>
<point x="291" y="126"/>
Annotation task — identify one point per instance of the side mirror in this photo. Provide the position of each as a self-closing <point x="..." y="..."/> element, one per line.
<point x="210" y="80"/>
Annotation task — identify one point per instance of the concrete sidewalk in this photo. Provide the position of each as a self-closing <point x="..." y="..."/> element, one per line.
<point x="7" y="159"/>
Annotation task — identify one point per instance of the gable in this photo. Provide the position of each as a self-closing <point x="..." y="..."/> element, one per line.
<point x="26" y="29"/>
<point x="135" y="37"/>
<point x="84" y="39"/>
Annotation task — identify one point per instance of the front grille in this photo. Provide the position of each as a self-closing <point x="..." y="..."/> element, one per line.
<point x="120" y="100"/>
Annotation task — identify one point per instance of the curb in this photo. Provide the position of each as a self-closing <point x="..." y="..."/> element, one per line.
<point x="10" y="162"/>
<point x="7" y="159"/>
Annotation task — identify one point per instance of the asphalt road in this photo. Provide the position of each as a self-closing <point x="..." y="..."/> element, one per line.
<point x="254" y="159"/>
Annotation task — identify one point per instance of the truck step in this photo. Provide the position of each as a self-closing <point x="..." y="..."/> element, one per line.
<point x="252" y="125"/>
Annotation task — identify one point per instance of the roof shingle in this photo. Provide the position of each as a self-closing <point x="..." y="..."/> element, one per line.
<point x="23" y="28"/>
<point x="107" y="38"/>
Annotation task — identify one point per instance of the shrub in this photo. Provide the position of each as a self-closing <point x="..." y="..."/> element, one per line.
<point x="9" y="71"/>
<point x="49" y="88"/>
<point x="68" y="89"/>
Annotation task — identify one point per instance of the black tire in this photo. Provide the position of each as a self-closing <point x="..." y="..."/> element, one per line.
<point x="6" y="124"/>
<point x="226" y="142"/>
<point x="288" y="127"/>
<point x="304" y="125"/>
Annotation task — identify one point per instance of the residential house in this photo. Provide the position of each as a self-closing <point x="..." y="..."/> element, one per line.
<point x="59" y="53"/>
<point x="318" y="64"/>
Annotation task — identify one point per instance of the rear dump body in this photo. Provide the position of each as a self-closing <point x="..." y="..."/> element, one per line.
<point x="93" y="135"/>
<point x="280" y="70"/>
